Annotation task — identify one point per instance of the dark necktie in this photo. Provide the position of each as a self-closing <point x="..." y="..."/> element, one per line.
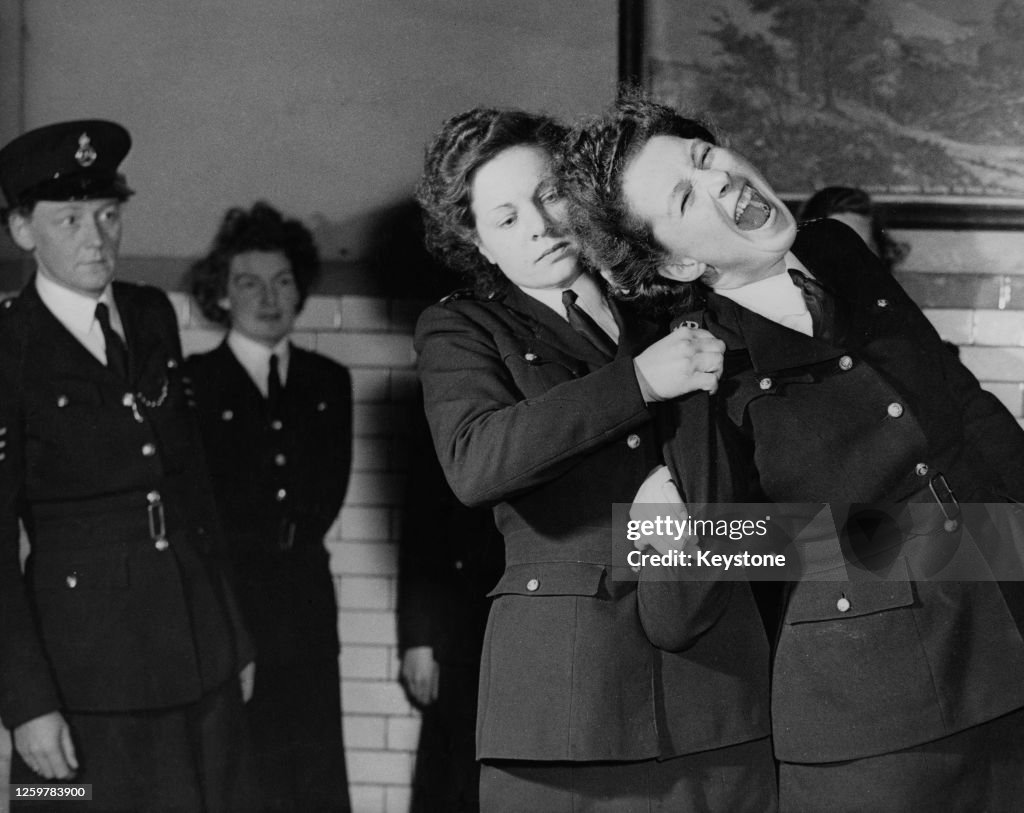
<point x="819" y="304"/>
<point x="274" y="388"/>
<point x="583" y="324"/>
<point x="117" y="352"/>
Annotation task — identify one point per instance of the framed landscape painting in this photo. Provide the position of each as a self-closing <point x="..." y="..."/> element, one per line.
<point x="919" y="102"/>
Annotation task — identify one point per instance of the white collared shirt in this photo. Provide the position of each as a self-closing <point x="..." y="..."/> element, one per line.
<point x="77" y="312"/>
<point x="776" y="298"/>
<point x="255" y="358"/>
<point x="588" y="296"/>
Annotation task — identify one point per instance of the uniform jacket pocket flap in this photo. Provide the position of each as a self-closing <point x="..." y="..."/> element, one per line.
<point x="837" y="601"/>
<point x="98" y="573"/>
<point x="550" y="579"/>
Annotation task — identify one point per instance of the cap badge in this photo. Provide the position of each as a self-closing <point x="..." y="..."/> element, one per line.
<point x="85" y="155"/>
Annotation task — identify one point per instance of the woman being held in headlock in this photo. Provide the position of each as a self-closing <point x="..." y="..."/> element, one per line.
<point x="601" y="689"/>
<point x="900" y="694"/>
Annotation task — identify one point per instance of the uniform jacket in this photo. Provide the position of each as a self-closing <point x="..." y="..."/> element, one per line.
<point x="527" y="417"/>
<point x="871" y="416"/>
<point x="279" y="485"/>
<point x="450" y="558"/>
<point x="123" y="603"/>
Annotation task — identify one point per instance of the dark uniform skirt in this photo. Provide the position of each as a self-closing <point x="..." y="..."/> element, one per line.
<point x="188" y="758"/>
<point x="736" y="779"/>
<point x="980" y="769"/>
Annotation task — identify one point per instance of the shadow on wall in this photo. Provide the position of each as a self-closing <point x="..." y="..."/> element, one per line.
<point x="392" y="257"/>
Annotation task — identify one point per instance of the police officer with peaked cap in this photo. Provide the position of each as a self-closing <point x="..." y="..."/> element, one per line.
<point x="121" y="646"/>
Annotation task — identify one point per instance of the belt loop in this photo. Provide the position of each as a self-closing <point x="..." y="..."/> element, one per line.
<point x="286" y="538"/>
<point x="157" y="525"/>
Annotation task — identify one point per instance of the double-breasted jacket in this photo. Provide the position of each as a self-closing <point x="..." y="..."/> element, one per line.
<point x="123" y="603"/>
<point x="528" y="417"/>
<point x="882" y="413"/>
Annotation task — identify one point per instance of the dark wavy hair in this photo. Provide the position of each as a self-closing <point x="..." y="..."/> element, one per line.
<point x="834" y="200"/>
<point x="591" y="164"/>
<point x="464" y="144"/>
<point x="262" y="228"/>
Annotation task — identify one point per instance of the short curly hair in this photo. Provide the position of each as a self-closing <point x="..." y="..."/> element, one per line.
<point x="262" y="228"/>
<point x="464" y="144"/>
<point x="591" y="165"/>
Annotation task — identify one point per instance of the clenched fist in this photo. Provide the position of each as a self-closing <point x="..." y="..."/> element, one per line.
<point x="686" y="360"/>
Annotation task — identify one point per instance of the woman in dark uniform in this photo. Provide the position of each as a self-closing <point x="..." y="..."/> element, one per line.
<point x="276" y="423"/>
<point x="599" y="693"/>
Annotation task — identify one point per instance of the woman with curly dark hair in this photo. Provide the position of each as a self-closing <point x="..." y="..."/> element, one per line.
<point x="598" y="692"/>
<point x="276" y="424"/>
<point x="895" y="686"/>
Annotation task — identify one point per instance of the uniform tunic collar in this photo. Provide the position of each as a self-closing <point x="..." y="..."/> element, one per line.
<point x="77" y="312"/>
<point x="255" y="358"/>
<point x="775" y="298"/>
<point x="590" y="298"/>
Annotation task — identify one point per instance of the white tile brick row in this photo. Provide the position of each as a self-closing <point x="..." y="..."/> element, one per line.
<point x="367" y="627"/>
<point x="367" y="662"/>
<point x="365" y="349"/>
<point x="365" y="731"/>
<point x="365" y="558"/>
<point x="374" y="697"/>
<point x="367" y="593"/>
<point x="379" y="767"/>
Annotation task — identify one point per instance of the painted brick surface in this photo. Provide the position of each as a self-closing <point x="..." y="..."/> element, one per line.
<point x="953" y="324"/>
<point x="365" y="313"/>
<point x="319" y="313"/>
<point x="397" y="799"/>
<point x="370" y="384"/>
<point x="365" y="732"/>
<point x="378" y="767"/>
<point x="374" y="697"/>
<point x="1011" y="394"/>
<point x="360" y="522"/>
<point x="994" y="363"/>
<point x="366" y="593"/>
<point x="997" y="328"/>
<point x="403" y="733"/>
<point x="371" y="662"/>
<point x="367" y="349"/>
<point x="365" y="558"/>
<point x="366" y="798"/>
<point x="372" y="454"/>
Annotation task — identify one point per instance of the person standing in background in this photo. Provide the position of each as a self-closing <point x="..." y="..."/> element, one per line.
<point x="450" y="557"/>
<point x="120" y="644"/>
<point x="277" y="427"/>
<point x="855" y="208"/>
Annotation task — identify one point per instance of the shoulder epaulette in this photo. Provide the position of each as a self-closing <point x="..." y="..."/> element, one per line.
<point x="461" y="293"/>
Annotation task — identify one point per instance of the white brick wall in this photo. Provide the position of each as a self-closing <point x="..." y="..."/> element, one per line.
<point x="991" y="346"/>
<point x="372" y="337"/>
